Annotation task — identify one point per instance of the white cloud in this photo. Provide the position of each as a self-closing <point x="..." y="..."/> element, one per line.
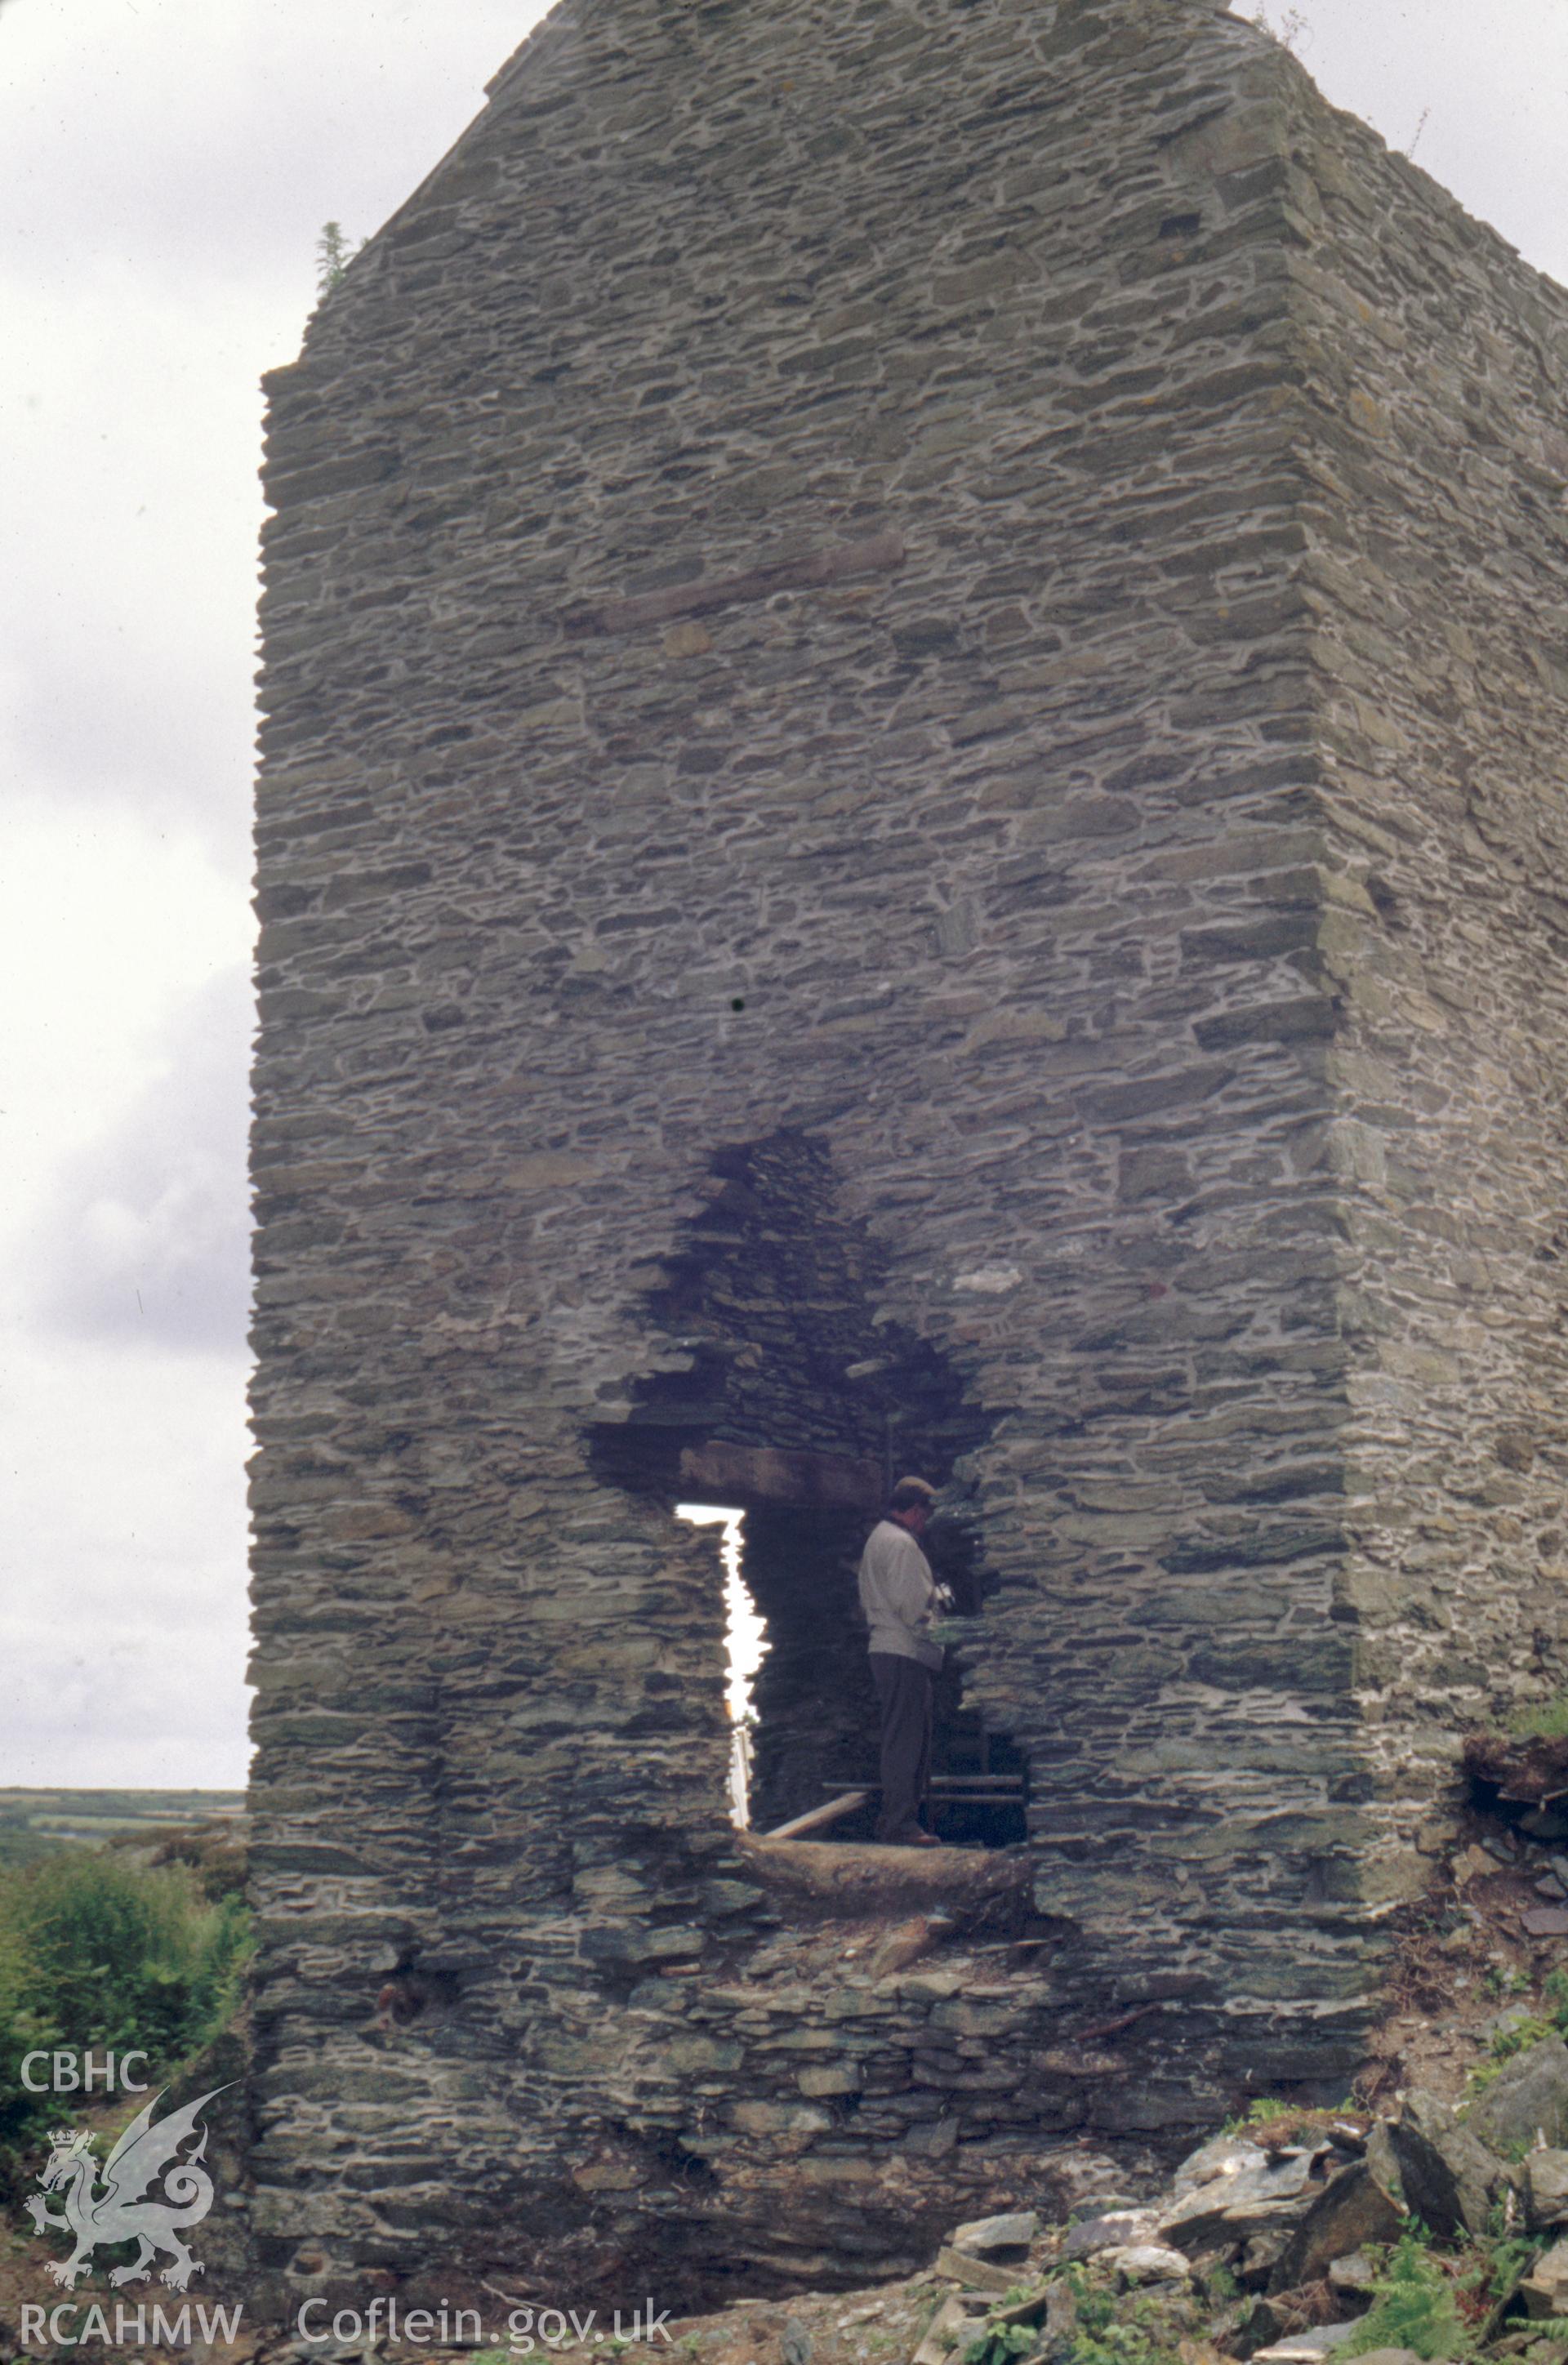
<point x="148" y="1230"/>
<point x="122" y="1639"/>
<point x="168" y="166"/>
<point x="107" y="927"/>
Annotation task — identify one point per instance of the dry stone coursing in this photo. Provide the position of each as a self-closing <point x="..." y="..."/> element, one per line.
<point x="909" y="801"/>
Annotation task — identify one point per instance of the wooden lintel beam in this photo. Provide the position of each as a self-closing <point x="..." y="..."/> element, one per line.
<point x="718" y="1472"/>
<point x="817" y="1817"/>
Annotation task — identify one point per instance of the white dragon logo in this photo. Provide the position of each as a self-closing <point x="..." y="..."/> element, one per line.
<point x="122" y="2209"/>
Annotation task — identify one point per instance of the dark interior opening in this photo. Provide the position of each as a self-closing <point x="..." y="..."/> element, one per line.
<point x="801" y="1403"/>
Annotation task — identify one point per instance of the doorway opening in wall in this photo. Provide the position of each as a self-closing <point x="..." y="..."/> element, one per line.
<point x="745" y="1641"/>
<point x="804" y="1720"/>
<point x="785" y="1400"/>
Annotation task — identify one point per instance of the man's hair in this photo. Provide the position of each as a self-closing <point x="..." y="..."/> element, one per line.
<point x="911" y="1494"/>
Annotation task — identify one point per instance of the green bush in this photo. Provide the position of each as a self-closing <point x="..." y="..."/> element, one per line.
<point x="120" y="1955"/>
<point x="98" y="1953"/>
<point x="24" y="2029"/>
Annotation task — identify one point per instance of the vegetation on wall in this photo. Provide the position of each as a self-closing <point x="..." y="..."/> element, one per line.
<point x="334" y="256"/>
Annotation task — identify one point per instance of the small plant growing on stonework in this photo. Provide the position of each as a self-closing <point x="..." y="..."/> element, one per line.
<point x="1542" y="1720"/>
<point x="1520" y="2037"/>
<point x="1001" y="2344"/>
<point x="334" y="256"/>
<point x="1414" y="2306"/>
<point x="1291" y="28"/>
<point x="1258" y="2113"/>
<point x="1105" y="2332"/>
<point x="1498" y="2258"/>
<point x="1107" y="2335"/>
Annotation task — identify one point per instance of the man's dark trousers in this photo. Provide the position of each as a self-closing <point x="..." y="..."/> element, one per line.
<point x="906" y="1691"/>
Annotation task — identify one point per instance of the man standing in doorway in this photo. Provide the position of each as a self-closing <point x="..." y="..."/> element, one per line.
<point x="899" y="1595"/>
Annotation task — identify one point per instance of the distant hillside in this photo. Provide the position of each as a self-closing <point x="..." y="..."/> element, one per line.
<point x="34" y="1822"/>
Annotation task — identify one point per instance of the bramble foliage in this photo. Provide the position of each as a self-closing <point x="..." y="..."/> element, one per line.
<point x="1001" y="2344"/>
<point x="1109" y="2335"/>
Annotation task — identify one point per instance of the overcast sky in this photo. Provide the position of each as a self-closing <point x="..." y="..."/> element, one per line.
<point x="167" y="166"/>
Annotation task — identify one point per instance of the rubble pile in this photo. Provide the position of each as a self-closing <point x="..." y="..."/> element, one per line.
<point x="1280" y="2241"/>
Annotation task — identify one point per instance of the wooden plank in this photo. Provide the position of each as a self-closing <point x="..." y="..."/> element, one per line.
<point x="814" y="1821"/>
<point x="718" y="1472"/>
<point x="1000" y="1787"/>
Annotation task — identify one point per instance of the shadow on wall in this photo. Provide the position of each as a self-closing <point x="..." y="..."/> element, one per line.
<point x="798" y="1404"/>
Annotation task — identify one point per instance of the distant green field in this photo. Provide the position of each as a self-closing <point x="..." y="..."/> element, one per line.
<point x="32" y="1822"/>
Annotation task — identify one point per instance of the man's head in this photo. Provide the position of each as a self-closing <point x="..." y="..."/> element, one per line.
<point x="910" y="1504"/>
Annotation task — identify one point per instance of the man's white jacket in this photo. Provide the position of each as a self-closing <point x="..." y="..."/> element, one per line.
<point x="897" y="1594"/>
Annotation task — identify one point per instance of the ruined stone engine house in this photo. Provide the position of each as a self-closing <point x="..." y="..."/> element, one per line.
<point x="916" y="656"/>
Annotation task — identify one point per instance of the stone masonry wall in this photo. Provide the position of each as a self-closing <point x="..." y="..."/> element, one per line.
<point x="1435" y="431"/>
<point x="814" y="615"/>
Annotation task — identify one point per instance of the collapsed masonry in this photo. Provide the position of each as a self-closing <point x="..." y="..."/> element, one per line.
<point x="910" y="815"/>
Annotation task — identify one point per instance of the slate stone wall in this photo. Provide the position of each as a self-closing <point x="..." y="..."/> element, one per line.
<point x="854" y="608"/>
<point x="1434" y="433"/>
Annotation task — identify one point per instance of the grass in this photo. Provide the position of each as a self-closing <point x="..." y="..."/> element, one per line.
<point x="1542" y="1720"/>
<point x="1521" y="2035"/>
<point x="1259" y="2113"/>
